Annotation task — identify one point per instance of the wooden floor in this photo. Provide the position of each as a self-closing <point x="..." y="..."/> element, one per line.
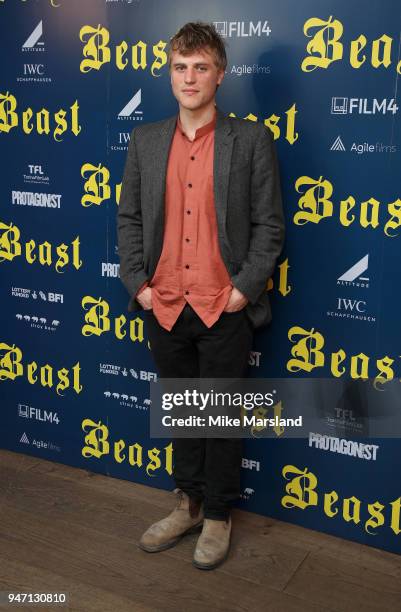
<point x="68" y="530"/>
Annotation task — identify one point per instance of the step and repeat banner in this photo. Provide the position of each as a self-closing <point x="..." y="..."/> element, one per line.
<point x="75" y="366"/>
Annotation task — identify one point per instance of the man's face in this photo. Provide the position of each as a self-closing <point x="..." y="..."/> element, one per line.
<point x="194" y="78"/>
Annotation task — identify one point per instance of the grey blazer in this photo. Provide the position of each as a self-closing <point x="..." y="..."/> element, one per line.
<point x="247" y="199"/>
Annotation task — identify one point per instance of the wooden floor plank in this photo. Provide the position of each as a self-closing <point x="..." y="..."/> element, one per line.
<point x="346" y="585"/>
<point x="66" y="526"/>
<point x="255" y="554"/>
<point x="79" y="552"/>
<point x="81" y="596"/>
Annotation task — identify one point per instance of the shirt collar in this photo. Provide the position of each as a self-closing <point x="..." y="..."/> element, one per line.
<point x="205" y="129"/>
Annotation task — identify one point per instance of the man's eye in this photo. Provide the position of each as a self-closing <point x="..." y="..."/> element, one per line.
<point x="202" y="68"/>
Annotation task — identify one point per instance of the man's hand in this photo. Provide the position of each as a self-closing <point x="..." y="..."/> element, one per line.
<point x="145" y="298"/>
<point x="237" y="301"/>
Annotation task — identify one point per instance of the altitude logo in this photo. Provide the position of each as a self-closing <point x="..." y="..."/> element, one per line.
<point x="34" y="42"/>
<point x="130" y="110"/>
<point x="34" y="72"/>
<point x="357" y="275"/>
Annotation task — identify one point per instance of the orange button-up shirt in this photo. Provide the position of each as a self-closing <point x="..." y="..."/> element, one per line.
<point x="190" y="268"/>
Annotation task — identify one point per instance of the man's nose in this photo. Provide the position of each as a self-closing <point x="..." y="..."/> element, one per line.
<point x="190" y="75"/>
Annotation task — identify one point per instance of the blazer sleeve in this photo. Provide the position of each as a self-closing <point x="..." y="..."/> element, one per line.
<point x="267" y="220"/>
<point x="129" y="227"/>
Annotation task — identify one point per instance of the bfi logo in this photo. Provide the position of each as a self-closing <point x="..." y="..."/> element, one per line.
<point x="149" y="376"/>
<point x="250" y="464"/>
<point x="55" y="297"/>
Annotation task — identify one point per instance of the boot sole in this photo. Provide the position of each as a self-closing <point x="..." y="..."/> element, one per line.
<point x="210" y="566"/>
<point x="170" y="543"/>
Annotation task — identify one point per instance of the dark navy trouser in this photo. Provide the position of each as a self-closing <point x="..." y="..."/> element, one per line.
<point x="205" y="468"/>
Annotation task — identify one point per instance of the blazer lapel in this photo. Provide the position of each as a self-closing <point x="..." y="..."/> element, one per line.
<point x="223" y="147"/>
<point x="159" y="161"/>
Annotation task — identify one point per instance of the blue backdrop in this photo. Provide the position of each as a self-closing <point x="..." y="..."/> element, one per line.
<point x="74" y="364"/>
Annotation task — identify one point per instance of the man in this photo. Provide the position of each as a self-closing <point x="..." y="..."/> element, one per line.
<point x="200" y="226"/>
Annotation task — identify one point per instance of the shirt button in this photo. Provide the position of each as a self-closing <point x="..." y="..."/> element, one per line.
<point x="187" y="267"/>
<point x="192" y="157"/>
<point x="187" y="293"/>
<point x="188" y="212"/>
<point x="190" y="185"/>
<point x="186" y="239"/>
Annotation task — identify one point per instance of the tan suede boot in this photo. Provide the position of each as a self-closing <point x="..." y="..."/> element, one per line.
<point x="186" y="517"/>
<point x="213" y="544"/>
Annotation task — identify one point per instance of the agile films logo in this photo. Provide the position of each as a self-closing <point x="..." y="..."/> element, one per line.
<point x="363" y="147"/>
<point x="354" y="307"/>
<point x="249" y="69"/>
<point x="45" y="444"/>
